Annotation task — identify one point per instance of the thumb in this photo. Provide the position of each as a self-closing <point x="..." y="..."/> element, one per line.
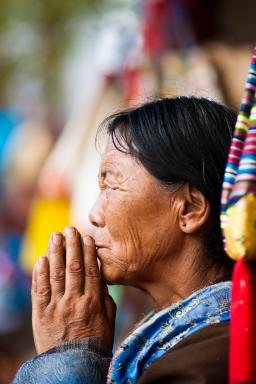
<point x="110" y="305"/>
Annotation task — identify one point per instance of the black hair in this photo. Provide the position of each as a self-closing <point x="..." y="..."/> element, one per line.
<point x="183" y="139"/>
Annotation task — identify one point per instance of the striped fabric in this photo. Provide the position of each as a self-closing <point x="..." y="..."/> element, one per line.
<point x="240" y="174"/>
<point x="238" y="216"/>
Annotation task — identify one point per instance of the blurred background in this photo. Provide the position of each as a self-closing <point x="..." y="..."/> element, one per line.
<point x="64" y="66"/>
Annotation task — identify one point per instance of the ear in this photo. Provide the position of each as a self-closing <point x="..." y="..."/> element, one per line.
<point x="194" y="211"/>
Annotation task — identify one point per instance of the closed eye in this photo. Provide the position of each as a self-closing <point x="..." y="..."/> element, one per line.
<point x="105" y="182"/>
<point x="113" y="187"/>
<point x="105" y="186"/>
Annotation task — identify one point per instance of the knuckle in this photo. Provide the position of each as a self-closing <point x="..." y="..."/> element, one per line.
<point x="43" y="275"/>
<point x="43" y="291"/>
<point x="92" y="271"/>
<point x="58" y="275"/>
<point x="68" y="303"/>
<point x="91" y="301"/>
<point x="75" y="267"/>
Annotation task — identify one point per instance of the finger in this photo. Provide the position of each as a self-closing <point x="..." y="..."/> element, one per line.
<point x="42" y="296"/>
<point x="110" y="306"/>
<point x="55" y="255"/>
<point x="74" y="262"/>
<point x="109" y="302"/>
<point x="33" y="284"/>
<point x="92" y="272"/>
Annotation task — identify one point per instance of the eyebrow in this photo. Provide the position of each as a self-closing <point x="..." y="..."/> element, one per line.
<point x="108" y="168"/>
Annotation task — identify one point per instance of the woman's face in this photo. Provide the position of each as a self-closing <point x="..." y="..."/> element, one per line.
<point x="133" y="219"/>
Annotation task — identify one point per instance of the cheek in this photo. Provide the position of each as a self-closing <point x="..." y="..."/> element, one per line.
<point x="121" y="225"/>
<point x="116" y="214"/>
<point x="140" y="230"/>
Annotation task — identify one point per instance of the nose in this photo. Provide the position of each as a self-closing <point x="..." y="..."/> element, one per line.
<point x="96" y="214"/>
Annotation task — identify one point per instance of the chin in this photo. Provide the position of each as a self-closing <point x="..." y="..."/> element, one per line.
<point x="111" y="271"/>
<point x="111" y="275"/>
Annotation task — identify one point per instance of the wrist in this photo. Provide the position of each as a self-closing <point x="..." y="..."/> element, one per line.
<point x="92" y="343"/>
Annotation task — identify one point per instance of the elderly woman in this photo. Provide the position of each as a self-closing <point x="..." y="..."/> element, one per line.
<point x="156" y="227"/>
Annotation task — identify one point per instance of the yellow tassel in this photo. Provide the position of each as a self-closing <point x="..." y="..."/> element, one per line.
<point x="240" y="229"/>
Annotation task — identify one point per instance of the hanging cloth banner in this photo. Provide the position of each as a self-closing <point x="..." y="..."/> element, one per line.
<point x="156" y="23"/>
<point x="238" y="218"/>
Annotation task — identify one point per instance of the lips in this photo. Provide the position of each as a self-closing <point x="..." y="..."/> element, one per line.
<point x="99" y="246"/>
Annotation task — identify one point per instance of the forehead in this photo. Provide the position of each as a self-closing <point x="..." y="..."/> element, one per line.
<point x="126" y="169"/>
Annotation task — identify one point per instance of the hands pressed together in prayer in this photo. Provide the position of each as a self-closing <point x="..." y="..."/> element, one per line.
<point x="69" y="297"/>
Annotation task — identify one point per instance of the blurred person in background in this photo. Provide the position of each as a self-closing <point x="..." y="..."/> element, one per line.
<point x="155" y="226"/>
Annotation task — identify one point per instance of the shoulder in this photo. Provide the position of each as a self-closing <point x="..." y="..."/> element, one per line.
<point x="201" y="358"/>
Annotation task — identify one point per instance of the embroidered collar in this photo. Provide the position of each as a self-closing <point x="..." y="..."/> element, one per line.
<point x="157" y="334"/>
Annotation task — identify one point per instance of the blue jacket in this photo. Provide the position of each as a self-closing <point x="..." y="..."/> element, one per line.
<point x="74" y="362"/>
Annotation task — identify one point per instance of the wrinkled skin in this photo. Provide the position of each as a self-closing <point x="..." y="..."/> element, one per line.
<point x="134" y="226"/>
<point x="144" y="236"/>
<point x="70" y="302"/>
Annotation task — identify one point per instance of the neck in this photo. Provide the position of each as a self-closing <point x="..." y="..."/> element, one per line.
<point x="174" y="281"/>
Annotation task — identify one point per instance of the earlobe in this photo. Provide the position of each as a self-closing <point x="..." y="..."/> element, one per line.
<point x="195" y="210"/>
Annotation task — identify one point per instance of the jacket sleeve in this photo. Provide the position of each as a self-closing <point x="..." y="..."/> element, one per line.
<point x="74" y="362"/>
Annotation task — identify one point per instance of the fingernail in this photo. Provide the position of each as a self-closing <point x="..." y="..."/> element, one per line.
<point x="70" y="231"/>
<point x="41" y="261"/>
<point x="57" y="238"/>
<point x="88" y="240"/>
